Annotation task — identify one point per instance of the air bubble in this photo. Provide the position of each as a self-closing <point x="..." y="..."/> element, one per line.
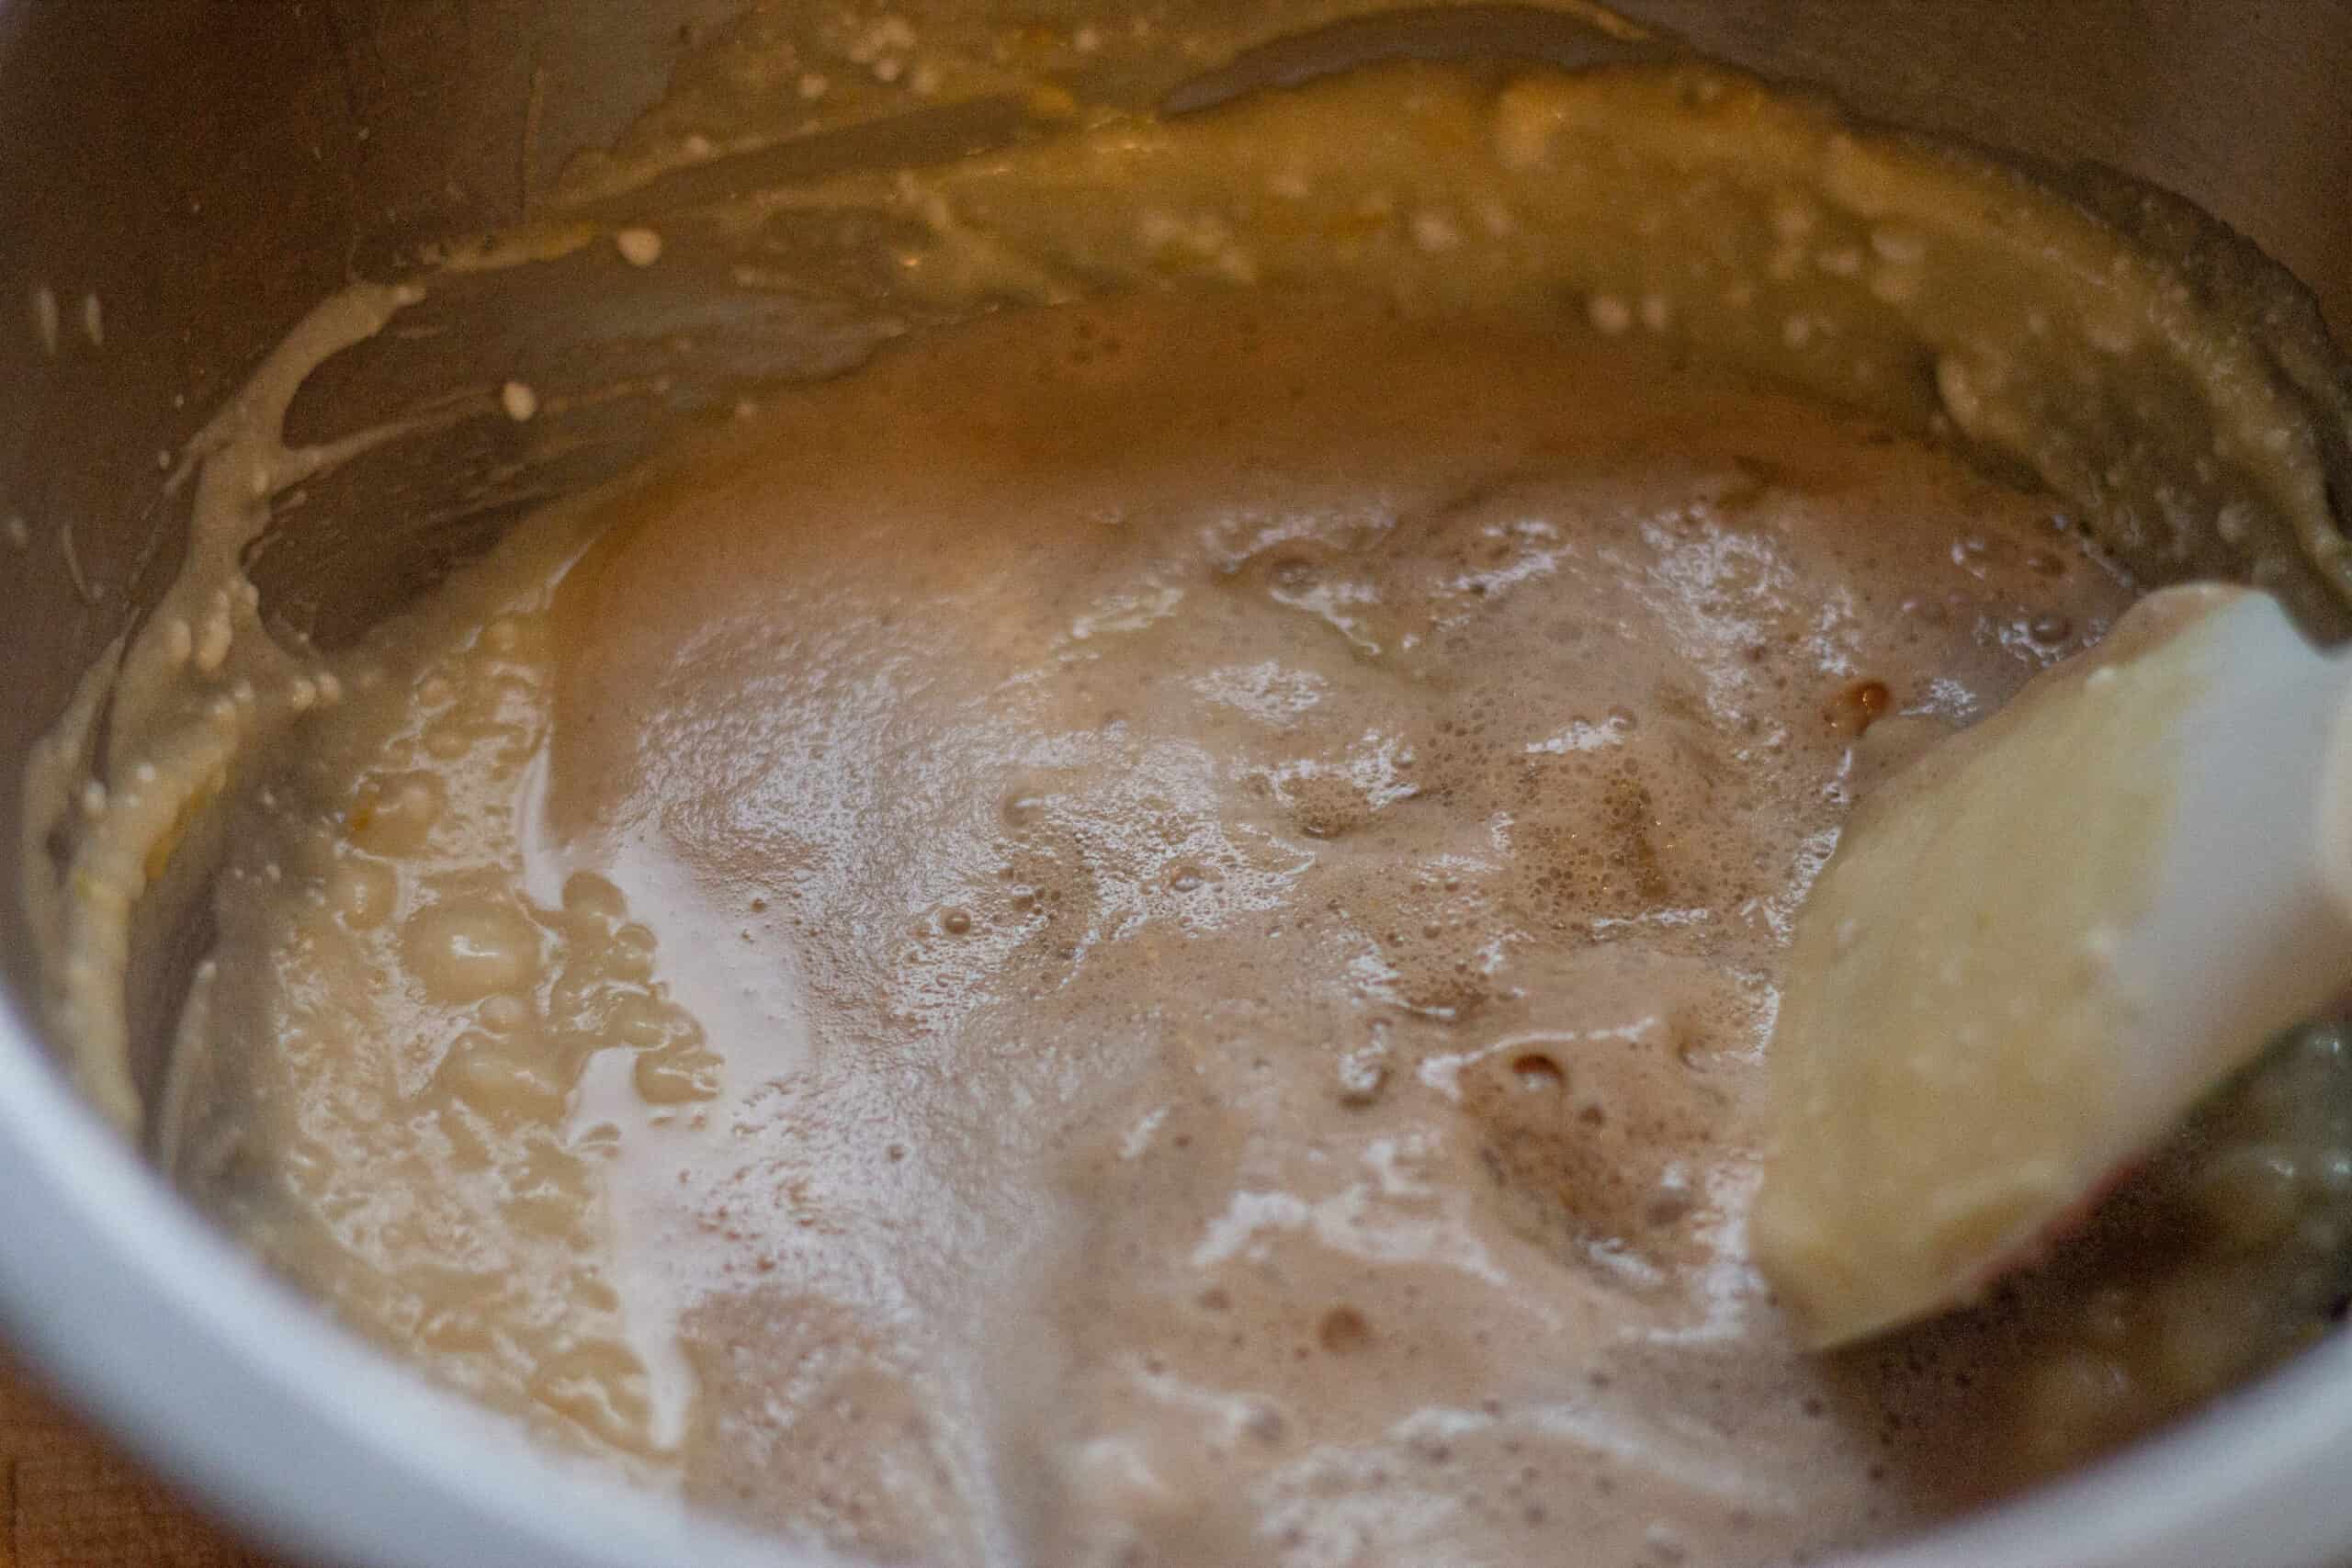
<point x="465" y="951"/>
<point x="595" y="897"/>
<point x="394" y="815"/>
<point x="1609" y="314"/>
<point x="1857" y="705"/>
<point x="638" y="248"/>
<point x="1538" y="1074"/>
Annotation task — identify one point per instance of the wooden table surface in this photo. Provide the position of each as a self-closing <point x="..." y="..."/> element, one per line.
<point x="70" y="1501"/>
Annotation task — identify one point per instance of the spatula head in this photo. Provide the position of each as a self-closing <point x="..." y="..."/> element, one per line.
<point x="1971" y="1048"/>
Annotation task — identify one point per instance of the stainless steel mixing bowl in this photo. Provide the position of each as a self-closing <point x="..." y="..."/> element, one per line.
<point x="207" y="169"/>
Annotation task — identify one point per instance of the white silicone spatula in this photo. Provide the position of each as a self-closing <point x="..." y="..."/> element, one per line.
<point x="2039" y="947"/>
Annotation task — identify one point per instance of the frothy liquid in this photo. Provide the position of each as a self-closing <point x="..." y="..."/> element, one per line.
<point x="1142" y="933"/>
